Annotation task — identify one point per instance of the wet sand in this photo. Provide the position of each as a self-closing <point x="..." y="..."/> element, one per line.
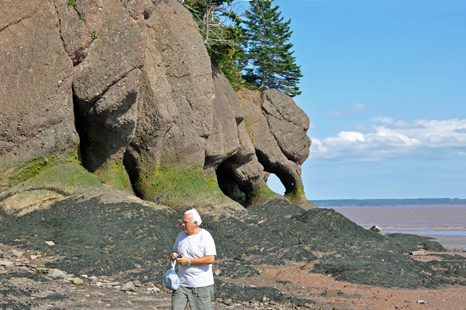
<point x="447" y="224"/>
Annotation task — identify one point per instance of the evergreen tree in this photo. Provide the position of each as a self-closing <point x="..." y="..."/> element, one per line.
<point x="266" y="38"/>
<point x="219" y="26"/>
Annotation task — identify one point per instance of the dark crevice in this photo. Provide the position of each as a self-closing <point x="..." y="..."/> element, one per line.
<point x="83" y="105"/>
<point x="60" y="28"/>
<point x="130" y="164"/>
<point x="228" y="185"/>
<point x="18" y="21"/>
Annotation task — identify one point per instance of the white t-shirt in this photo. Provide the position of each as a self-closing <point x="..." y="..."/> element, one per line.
<point x="195" y="246"/>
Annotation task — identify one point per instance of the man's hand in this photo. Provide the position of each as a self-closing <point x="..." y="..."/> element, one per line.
<point x="174" y="256"/>
<point x="183" y="260"/>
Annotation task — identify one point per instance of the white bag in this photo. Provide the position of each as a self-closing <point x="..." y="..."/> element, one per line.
<point x="170" y="278"/>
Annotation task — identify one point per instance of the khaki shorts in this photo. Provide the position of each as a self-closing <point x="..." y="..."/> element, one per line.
<point x="199" y="298"/>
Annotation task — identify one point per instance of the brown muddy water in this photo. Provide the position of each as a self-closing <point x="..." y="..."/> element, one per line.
<point x="445" y="223"/>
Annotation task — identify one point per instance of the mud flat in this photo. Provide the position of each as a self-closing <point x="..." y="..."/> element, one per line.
<point x="444" y="223"/>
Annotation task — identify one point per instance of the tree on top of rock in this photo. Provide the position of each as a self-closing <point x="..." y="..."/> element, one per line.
<point x="268" y="51"/>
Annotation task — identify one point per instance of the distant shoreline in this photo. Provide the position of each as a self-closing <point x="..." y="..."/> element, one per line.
<point x="390" y="202"/>
<point x="391" y="206"/>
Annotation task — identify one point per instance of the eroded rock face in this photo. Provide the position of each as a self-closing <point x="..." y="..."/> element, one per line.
<point x="267" y="114"/>
<point x="223" y="142"/>
<point x="131" y="84"/>
<point x="36" y="115"/>
<point x="288" y="124"/>
<point x="229" y="148"/>
<point x="106" y="81"/>
<point x="175" y="99"/>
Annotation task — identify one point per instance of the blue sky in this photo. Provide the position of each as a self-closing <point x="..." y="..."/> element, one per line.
<point x="384" y="87"/>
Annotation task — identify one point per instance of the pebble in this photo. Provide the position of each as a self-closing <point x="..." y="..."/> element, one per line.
<point x="77" y="281"/>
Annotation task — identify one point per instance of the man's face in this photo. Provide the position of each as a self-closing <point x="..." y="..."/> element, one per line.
<point x="188" y="226"/>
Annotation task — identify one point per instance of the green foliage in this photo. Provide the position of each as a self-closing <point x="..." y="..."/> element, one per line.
<point x="64" y="173"/>
<point x="249" y="128"/>
<point x="81" y="17"/>
<point x="266" y="37"/>
<point x="178" y="184"/>
<point x="259" y="194"/>
<point x="69" y="2"/>
<point x="94" y="35"/>
<point x="219" y="26"/>
<point x="114" y="175"/>
<point x="296" y="195"/>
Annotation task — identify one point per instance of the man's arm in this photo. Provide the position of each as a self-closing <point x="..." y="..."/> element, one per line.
<point x="201" y="261"/>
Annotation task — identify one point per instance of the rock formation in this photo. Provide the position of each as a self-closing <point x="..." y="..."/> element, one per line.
<point x="123" y="93"/>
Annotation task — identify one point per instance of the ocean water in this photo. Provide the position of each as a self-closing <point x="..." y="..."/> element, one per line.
<point x="445" y="223"/>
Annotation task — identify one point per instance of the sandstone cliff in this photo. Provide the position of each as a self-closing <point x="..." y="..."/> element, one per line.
<point x="121" y="95"/>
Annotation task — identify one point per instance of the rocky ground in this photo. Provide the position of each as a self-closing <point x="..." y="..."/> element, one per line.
<point x="272" y="256"/>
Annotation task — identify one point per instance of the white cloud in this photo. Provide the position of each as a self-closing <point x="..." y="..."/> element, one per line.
<point x="362" y="128"/>
<point x="353" y="108"/>
<point x="357" y="107"/>
<point x="382" y="119"/>
<point x="392" y="139"/>
<point x="336" y="113"/>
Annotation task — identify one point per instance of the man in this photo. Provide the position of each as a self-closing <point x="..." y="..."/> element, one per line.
<point x="195" y="252"/>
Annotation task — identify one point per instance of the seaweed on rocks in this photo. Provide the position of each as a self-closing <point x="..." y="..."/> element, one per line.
<point x="257" y="294"/>
<point x="413" y="242"/>
<point x="11" y="294"/>
<point x="92" y="237"/>
<point x="133" y="241"/>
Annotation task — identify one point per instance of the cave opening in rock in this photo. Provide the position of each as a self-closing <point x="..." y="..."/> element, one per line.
<point x="228" y="185"/>
<point x="274" y="183"/>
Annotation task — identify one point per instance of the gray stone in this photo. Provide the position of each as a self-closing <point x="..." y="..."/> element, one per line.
<point x="376" y="228"/>
<point x="56" y="274"/>
<point x="7" y="264"/>
<point x="17" y="254"/>
<point x="77" y="281"/>
<point x="129" y="286"/>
